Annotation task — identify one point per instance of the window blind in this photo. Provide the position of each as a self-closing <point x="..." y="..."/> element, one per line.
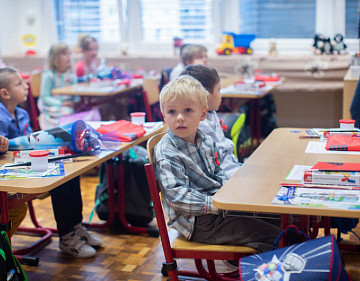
<point x="278" y="18"/>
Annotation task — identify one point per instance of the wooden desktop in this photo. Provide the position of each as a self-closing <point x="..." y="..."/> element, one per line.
<point x="253" y="187"/>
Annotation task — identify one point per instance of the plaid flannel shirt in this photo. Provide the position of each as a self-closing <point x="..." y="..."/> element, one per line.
<point x="188" y="176"/>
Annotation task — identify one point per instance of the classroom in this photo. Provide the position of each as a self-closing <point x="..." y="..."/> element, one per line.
<point x="96" y="89"/>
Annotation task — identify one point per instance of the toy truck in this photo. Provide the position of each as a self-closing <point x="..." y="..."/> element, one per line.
<point x="235" y="43"/>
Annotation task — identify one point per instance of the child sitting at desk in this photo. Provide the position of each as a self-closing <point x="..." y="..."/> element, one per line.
<point x="190" y="54"/>
<point x="89" y="64"/>
<point x="66" y="199"/>
<point x="210" y="80"/>
<point x="59" y="75"/>
<point x="16" y="215"/>
<point x="187" y="166"/>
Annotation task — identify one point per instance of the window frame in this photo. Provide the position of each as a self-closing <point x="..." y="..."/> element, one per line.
<point x="330" y="19"/>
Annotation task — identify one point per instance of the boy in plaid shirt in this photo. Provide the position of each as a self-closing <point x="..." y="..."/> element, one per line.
<point x="187" y="166"/>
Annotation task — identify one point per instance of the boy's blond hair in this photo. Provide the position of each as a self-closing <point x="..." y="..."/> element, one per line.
<point x="191" y="52"/>
<point x="184" y="87"/>
<point x="5" y="77"/>
<point x="54" y="53"/>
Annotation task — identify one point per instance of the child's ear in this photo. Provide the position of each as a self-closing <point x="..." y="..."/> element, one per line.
<point x="203" y="114"/>
<point x="4" y="94"/>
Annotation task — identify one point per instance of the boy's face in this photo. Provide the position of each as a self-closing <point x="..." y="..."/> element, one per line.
<point x="214" y="99"/>
<point x="17" y="89"/>
<point x="183" y="117"/>
<point x="201" y="59"/>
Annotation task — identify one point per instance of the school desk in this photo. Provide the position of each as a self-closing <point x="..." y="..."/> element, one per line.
<point x="255" y="103"/>
<point x="350" y="84"/>
<point x="97" y="95"/>
<point x="27" y="189"/>
<point x="253" y="187"/>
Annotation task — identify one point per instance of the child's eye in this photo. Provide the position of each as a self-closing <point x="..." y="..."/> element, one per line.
<point x="188" y="110"/>
<point x="171" y="111"/>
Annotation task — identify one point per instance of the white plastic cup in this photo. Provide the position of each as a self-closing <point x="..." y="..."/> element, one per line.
<point x="138" y="118"/>
<point x="39" y="160"/>
<point x="347" y="124"/>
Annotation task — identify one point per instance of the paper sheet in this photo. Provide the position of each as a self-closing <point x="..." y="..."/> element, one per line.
<point x="11" y="173"/>
<point x="318" y="197"/>
<point x="297" y="172"/>
<point x="319" y="147"/>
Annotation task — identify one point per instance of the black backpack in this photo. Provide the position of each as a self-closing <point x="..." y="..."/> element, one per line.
<point x="10" y="268"/>
<point x="139" y="210"/>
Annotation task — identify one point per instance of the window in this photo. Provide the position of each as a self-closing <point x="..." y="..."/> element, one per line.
<point x="352" y="18"/>
<point x="99" y="18"/>
<point x="162" y="20"/>
<point x="278" y="19"/>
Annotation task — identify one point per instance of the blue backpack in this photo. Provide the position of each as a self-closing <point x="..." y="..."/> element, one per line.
<point x="316" y="259"/>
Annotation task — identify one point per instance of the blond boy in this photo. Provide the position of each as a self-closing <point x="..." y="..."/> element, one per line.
<point x="188" y="169"/>
<point x="190" y="54"/>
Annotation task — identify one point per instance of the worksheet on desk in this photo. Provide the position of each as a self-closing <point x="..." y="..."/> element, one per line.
<point x="11" y="173"/>
<point x="319" y="147"/>
<point x="318" y="197"/>
<point x="297" y="172"/>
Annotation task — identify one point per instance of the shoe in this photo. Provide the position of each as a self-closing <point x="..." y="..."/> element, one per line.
<point x="72" y="244"/>
<point x="87" y="236"/>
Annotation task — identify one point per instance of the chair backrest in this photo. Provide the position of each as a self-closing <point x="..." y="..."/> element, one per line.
<point x="34" y="93"/>
<point x="151" y="145"/>
<point x="151" y="87"/>
<point x="35" y="84"/>
<point x="155" y="196"/>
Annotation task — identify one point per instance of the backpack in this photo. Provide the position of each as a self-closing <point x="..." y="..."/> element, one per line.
<point x="317" y="259"/>
<point x="10" y="267"/>
<point x="236" y="128"/>
<point x="268" y="115"/>
<point x="138" y="205"/>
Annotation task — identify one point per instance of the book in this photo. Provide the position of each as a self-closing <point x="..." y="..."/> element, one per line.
<point x="317" y="197"/>
<point x="337" y="166"/>
<point x="332" y="177"/>
<point x="54" y="169"/>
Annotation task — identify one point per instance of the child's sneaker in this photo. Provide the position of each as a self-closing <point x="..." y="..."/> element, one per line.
<point x="87" y="236"/>
<point x="72" y="244"/>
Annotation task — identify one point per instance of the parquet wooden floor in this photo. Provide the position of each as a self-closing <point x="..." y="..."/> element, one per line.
<point x="125" y="256"/>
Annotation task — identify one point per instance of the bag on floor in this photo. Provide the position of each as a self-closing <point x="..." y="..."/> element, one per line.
<point x="316" y="259"/>
<point x="10" y="268"/>
<point x="139" y="210"/>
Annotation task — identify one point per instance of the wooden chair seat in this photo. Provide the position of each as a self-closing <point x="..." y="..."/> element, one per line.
<point x="179" y="242"/>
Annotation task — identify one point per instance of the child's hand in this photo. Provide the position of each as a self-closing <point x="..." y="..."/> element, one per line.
<point x="4" y="144"/>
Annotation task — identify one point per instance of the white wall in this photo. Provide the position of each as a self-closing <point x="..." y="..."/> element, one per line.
<point x="20" y="17"/>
